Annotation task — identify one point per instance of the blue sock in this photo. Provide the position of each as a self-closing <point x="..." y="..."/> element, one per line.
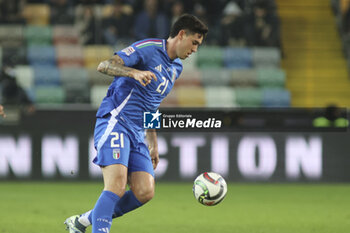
<point x="127" y="203"/>
<point x="103" y="211"/>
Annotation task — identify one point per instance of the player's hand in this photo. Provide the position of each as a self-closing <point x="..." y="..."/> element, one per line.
<point x="2" y="113"/>
<point x="154" y="156"/>
<point x="143" y="76"/>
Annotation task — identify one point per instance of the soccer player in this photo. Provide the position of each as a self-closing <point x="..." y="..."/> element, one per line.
<point x="2" y="112"/>
<point x="144" y="74"/>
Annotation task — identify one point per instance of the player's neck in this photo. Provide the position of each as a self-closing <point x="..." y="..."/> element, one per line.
<point x="170" y="48"/>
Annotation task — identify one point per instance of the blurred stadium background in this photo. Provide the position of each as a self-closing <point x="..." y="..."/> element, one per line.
<point x="288" y="60"/>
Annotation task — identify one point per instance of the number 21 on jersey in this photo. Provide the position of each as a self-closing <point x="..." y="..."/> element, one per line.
<point x="162" y="86"/>
<point x="117" y="140"/>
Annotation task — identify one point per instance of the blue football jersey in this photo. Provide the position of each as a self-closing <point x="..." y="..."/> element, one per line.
<point x="128" y="96"/>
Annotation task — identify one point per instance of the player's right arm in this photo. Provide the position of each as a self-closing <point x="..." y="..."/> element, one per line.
<point x="2" y="112"/>
<point x="115" y="67"/>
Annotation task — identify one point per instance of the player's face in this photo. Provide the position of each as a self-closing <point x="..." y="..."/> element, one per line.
<point x="189" y="44"/>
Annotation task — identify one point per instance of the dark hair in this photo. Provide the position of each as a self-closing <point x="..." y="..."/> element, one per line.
<point x="190" y="23"/>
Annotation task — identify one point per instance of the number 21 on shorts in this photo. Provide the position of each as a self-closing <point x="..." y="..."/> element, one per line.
<point x="117" y="140"/>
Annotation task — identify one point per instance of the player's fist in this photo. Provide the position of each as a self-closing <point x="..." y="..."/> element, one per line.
<point x="153" y="151"/>
<point x="143" y="77"/>
<point x="103" y="66"/>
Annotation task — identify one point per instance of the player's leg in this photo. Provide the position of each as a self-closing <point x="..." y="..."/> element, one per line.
<point x="113" y="153"/>
<point x="141" y="191"/>
<point x="113" y="150"/>
<point x="141" y="183"/>
<point x="127" y="203"/>
<point x="115" y="177"/>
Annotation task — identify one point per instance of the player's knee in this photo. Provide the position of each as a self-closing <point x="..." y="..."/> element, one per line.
<point x="117" y="190"/>
<point x="115" y="179"/>
<point x="147" y="196"/>
<point x="144" y="195"/>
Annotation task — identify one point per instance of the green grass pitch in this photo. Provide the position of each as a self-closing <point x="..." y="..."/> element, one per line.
<point x="39" y="207"/>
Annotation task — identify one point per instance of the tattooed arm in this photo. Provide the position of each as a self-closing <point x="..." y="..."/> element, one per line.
<point x="115" y="67"/>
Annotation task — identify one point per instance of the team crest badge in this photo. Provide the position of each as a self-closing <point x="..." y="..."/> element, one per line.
<point x="116" y="153"/>
<point x="129" y="50"/>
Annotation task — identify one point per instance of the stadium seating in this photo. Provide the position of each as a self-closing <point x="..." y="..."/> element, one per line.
<point x="11" y="36"/>
<point x="97" y="93"/>
<point x="73" y="76"/>
<point x="275" y="98"/>
<point x="190" y="63"/>
<point x="210" y="57"/>
<point x="191" y="78"/>
<point x="271" y="77"/>
<point x="220" y="97"/>
<point x="38" y="35"/>
<point x="41" y="55"/>
<point x="37" y="14"/>
<point x="213" y="77"/>
<point x="97" y="78"/>
<point x="266" y="57"/>
<point x="94" y="54"/>
<point x="65" y="34"/>
<point x="245" y="77"/>
<point x="238" y="58"/>
<point x="70" y="55"/>
<point x="75" y="84"/>
<point x="190" y="96"/>
<point x="49" y="95"/>
<point x="46" y="75"/>
<point x="248" y="97"/>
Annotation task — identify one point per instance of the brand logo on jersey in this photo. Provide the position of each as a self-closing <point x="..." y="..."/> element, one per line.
<point x="159" y="68"/>
<point x="151" y="120"/>
<point x="129" y="50"/>
<point x="116" y="153"/>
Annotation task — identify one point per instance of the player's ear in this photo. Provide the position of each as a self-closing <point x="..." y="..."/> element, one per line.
<point x="181" y="34"/>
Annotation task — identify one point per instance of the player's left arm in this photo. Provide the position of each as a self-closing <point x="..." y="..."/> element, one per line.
<point x="151" y="137"/>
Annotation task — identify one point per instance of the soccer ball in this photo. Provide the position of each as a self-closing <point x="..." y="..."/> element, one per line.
<point x="209" y="188"/>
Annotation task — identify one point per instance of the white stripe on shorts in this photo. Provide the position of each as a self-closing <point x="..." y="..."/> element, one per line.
<point x="112" y="122"/>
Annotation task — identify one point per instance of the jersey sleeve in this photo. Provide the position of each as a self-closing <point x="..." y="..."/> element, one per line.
<point x="133" y="56"/>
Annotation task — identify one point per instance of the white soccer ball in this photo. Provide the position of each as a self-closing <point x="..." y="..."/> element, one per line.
<point x="209" y="188"/>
